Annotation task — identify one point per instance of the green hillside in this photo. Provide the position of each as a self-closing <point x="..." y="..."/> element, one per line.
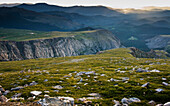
<point x="117" y="64"/>
<point x="25" y="35"/>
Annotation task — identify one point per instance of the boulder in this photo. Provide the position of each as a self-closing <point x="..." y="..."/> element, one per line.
<point x="167" y="104"/>
<point x="36" y="93"/>
<point x="3" y="98"/>
<point x="152" y="103"/>
<point x="58" y="87"/>
<point x="17" y="88"/>
<point x="146" y="85"/>
<point x="159" y="90"/>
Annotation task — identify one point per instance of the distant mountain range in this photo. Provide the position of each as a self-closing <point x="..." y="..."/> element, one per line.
<point x="9" y="4"/>
<point x="143" y="23"/>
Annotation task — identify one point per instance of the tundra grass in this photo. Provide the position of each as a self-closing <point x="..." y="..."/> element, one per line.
<point x="25" y="35"/>
<point x="107" y="63"/>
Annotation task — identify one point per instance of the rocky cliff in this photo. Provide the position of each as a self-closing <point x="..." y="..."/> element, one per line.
<point x="160" y="41"/>
<point x="151" y="54"/>
<point x="89" y="43"/>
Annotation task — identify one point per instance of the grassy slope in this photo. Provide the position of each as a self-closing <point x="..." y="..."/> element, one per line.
<point x="105" y="63"/>
<point x="25" y="35"/>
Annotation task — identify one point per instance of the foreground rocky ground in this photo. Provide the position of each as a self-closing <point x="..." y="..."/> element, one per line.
<point x="107" y="78"/>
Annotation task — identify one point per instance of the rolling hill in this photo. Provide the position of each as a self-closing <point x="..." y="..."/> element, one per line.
<point x="25" y="19"/>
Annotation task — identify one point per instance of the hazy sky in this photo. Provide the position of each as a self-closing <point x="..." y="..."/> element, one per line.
<point x="110" y="3"/>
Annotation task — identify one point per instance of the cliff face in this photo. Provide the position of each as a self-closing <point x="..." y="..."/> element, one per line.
<point x="160" y="41"/>
<point x="58" y="47"/>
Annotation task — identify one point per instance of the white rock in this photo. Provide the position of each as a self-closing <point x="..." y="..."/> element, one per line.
<point x="36" y="93"/>
<point x="58" y="87"/>
<point x="158" y="89"/>
<point x="164" y="83"/>
<point x="167" y="104"/>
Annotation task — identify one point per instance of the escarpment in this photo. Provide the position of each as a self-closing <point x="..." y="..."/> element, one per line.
<point x="89" y="43"/>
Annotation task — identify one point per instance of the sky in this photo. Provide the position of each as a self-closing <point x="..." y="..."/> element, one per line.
<point x="109" y="3"/>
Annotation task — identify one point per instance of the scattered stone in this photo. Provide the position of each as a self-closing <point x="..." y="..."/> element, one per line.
<point x="102" y="75"/>
<point x="134" y="99"/>
<point x="95" y="94"/>
<point x="159" y="105"/>
<point x="130" y="100"/>
<point x="36" y="93"/>
<point x="155" y="71"/>
<point x="16" y="95"/>
<point x="126" y="101"/>
<point x="117" y="103"/>
<point x="164" y="79"/>
<point x="45" y="80"/>
<point x="2" y="89"/>
<point x="17" y="99"/>
<point x="31" y="98"/>
<point x="3" y="98"/>
<point x="81" y="79"/>
<point x="88" y="102"/>
<point x="46" y="91"/>
<point x="141" y="70"/>
<point x="81" y="99"/>
<point x="17" y="88"/>
<point x="91" y="98"/>
<point x="167" y="104"/>
<point x="146" y="85"/>
<point x="159" y="90"/>
<point x="56" y="101"/>
<point x="164" y="83"/>
<point x="33" y="83"/>
<point x="58" y="87"/>
<point x="85" y="83"/>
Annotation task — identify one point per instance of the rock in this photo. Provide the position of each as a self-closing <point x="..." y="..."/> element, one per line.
<point x="6" y="92"/>
<point x="130" y="100"/>
<point x="164" y="83"/>
<point x="3" y="98"/>
<point x="117" y="103"/>
<point x="2" y="89"/>
<point x="58" y="87"/>
<point x="81" y="79"/>
<point x="31" y="98"/>
<point x="17" y="88"/>
<point x="85" y="83"/>
<point x="17" y="99"/>
<point x="159" y="90"/>
<point x="155" y="71"/>
<point x="56" y="101"/>
<point x="16" y="95"/>
<point x="95" y="94"/>
<point x="36" y="93"/>
<point x="159" y="105"/>
<point x="45" y="80"/>
<point x="88" y="102"/>
<point x="152" y="103"/>
<point x="33" y="83"/>
<point x="164" y="79"/>
<point x="81" y="99"/>
<point x="167" y="104"/>
<point x="135" y="99"/>
<point x="91" y="98"/>
<point x="126" y="101"/>
<point x="146" y="85"/>
<point x="46" y="91"/>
